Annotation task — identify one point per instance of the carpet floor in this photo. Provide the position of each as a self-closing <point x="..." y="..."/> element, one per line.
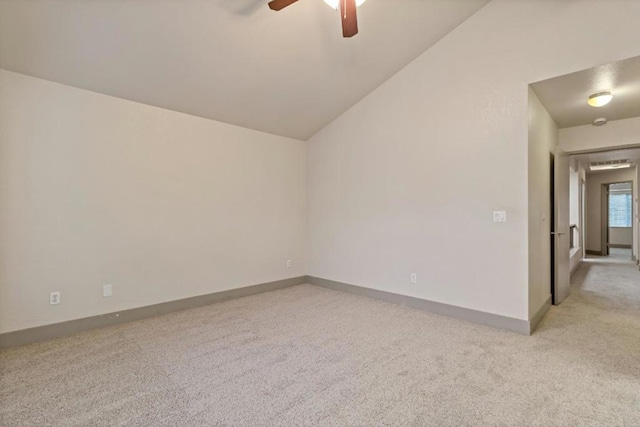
<point x="311" y="356"/>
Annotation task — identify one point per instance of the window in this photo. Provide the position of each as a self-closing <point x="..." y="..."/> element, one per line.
<point x="620" y="209"/>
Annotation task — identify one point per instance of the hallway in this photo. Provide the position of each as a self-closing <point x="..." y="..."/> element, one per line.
<point x="614" y="278"/>
<point x="600" y="321"/>
<point x="605" y="296"/>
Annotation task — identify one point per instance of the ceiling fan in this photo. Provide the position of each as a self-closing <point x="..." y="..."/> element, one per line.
<point x="347" y="12"/>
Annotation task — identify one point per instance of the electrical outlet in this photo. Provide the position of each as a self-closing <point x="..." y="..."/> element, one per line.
<point x="54" y="298"/>
<point x="289" y="264"/>
<point x="107" y="290"/>
<point x="414" y="278"/>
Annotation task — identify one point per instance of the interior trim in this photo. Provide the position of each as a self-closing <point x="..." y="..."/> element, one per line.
<point x="537" y="318"/>
<point x="56" y="330"/>
<point x="483" y="318"/>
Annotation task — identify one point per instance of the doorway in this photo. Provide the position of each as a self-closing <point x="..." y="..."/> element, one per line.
<point x="617" y="219"/>
<point x="608" y="205"/>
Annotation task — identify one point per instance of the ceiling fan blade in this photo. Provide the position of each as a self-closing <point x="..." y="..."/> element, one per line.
<point x="280" y="4"/>
<point x="349" y="18"/>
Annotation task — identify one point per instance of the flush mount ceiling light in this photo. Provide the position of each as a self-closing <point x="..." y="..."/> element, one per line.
<point x="603" y="166"/>
<point x="335" y="3"/>
<point x="600" y="99"/>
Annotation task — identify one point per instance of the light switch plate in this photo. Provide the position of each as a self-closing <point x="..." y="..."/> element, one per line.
<point x="499" y="216"/>
<point x="107" y="290"/>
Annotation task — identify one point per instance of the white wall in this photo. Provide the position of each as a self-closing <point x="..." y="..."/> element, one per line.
<point x="543" y="140"/>
<point x="621" y="236"/>
<point x="407" y="179"/>
<point x="575" y="259"/>
<point x="574" y="195"/>
<point x="163" y="205"/>
<point x="577" y="175"/>
<point x="593" y="214"/>
<point x="574" y="214"/>
<point x="615" y="134"/>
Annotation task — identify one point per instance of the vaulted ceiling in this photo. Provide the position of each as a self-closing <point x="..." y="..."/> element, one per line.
<point x="288" y="73"/>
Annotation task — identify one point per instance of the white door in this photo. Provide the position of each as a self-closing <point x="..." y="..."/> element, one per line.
<point x="562" y="268"/>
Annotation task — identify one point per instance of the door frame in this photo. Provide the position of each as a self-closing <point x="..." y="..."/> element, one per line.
<point x="560" y="226"/>
<point x="604" y="220"/>
<point x="604" y="205"/>
<point x="583" y="224"/>
<point x="552" y="224"/>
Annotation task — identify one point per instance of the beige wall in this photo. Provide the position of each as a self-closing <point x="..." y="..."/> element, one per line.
<point x="543" y="140"/>
<point x="575" y="260"/>
<point x="593" y="214"/>
<point x="621" y="236"/>
<point x="616" y="134"/>
<point x="162" y="205"/>
<point x="407" y="179"/>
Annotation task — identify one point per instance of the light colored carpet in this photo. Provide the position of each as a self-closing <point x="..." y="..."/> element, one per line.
<point x="311" y="356"/>
<point x="621" y="254"/>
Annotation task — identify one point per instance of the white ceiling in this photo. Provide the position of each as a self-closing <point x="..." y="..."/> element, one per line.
<point x="565" y="97"/>
<point x="288" y="73"/>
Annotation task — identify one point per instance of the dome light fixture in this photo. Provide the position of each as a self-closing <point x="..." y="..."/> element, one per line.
<point x="600" y="99"/>
<point x="336" y="3"/>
